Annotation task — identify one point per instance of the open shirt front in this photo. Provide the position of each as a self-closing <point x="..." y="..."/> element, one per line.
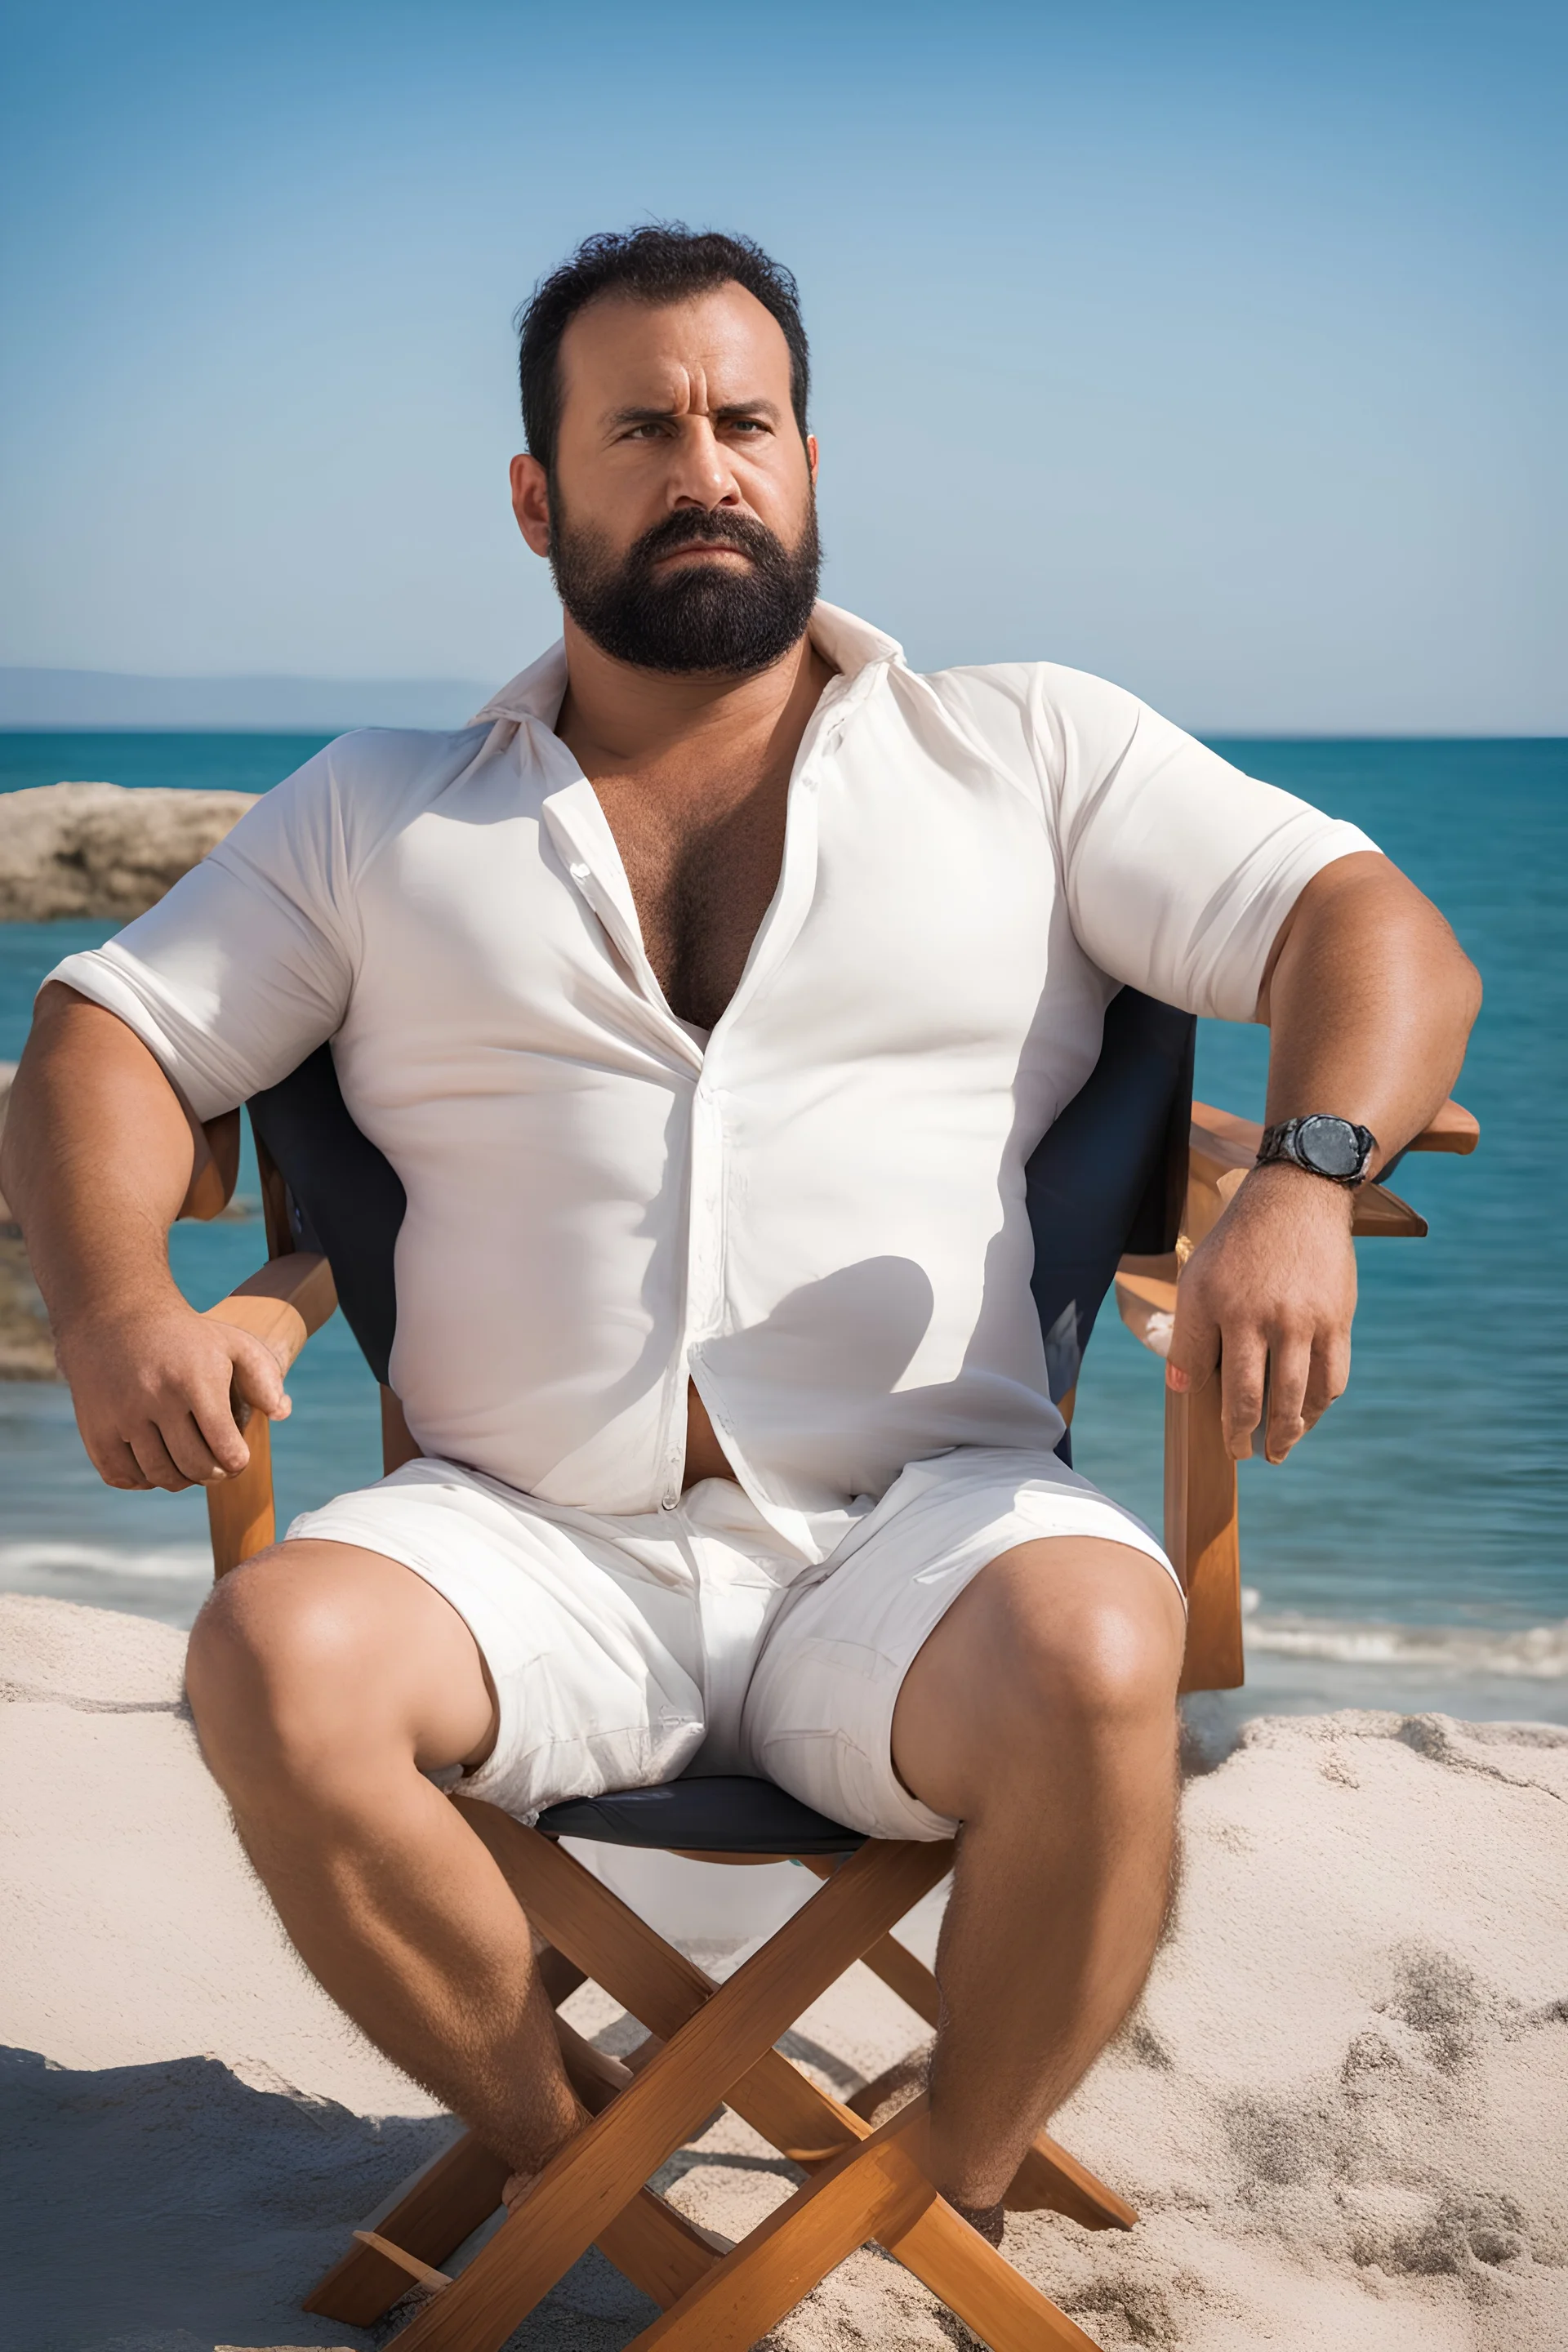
<point x="818" y="1215"/>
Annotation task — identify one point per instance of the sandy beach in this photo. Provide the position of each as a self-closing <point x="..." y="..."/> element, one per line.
<point x="1342" y="2108"/>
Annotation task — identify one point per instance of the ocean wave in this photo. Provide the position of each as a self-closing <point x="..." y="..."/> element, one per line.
<point x="1531" y="1653"/>
<point x="22" y="1558"/>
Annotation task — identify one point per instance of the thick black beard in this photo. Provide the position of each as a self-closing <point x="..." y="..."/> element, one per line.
<point x="704" y="618"/>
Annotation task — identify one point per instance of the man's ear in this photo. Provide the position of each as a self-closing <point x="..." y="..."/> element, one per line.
<point x="812" y="456"/>
<point x="531" y="501"/>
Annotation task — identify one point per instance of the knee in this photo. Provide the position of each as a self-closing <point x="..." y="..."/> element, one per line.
<point x="1106" y="1670"/>
<point x="276" y="1680"/>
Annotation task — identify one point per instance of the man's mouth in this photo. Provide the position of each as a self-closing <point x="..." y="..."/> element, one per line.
<point x="703" y="547"/>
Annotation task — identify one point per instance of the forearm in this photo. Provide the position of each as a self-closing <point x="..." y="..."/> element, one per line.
<point x="99" y="1152"/>
<point x="1369" y="1001"/>
<point x="99" y="1155"/>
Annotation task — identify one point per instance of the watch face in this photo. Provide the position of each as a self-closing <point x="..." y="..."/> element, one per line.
<point x="1330" y="1145"/>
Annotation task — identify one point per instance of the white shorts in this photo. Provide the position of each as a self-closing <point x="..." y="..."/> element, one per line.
<point x="624" y="1652"/>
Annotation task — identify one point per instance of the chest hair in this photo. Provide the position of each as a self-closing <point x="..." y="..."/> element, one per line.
<point x="704" y="871"/>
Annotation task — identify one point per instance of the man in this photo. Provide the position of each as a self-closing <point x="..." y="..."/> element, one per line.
<point x="709" y="993"/>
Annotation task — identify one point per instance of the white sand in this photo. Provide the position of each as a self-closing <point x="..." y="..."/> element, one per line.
<point x="1342" y="2108"/>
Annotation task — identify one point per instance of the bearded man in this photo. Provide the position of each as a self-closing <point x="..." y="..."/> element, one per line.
<point x="709" y="993"/>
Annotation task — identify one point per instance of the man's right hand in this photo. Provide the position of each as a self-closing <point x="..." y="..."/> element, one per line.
<point x="156" y="1391"/>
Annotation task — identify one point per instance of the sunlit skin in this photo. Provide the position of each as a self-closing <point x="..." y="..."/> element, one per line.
<point x="324" y="1677"/>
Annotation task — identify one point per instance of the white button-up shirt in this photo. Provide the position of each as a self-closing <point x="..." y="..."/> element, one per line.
<point x="817" y="1213"/>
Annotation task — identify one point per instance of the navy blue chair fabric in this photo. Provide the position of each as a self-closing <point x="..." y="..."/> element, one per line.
<point x="723" y="1814"/>
<point x="1108" y="1180"/>
<point x="344" y="1196"/>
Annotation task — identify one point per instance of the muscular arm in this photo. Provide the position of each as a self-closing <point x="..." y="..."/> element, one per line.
<point x="98" y="1151"/>
<point x="1369" y="999"/>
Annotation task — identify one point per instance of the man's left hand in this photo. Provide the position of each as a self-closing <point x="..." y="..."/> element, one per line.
<point x="1268" y="1296"/>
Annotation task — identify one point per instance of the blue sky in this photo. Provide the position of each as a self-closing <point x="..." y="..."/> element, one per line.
<point x="1217" y="349"/>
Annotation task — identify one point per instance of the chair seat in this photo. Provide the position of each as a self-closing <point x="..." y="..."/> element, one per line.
<point x="726" y="1814"/>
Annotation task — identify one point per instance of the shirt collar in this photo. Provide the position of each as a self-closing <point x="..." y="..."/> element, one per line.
<point x="536" y="692"/>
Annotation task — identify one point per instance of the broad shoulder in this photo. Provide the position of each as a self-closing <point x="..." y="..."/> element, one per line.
<point x="393" y="765"/>
<point x="1041" y="714"/>
<point x="356" y="792"/>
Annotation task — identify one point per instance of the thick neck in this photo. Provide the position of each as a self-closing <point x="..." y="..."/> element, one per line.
<point x="615" y="716"/>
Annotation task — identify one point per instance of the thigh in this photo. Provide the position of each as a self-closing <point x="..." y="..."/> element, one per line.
<point x="820" y="1712"/>
<point x="594" y="1659"/>
<point x="319" y="1639"/>
<point x="1055" y="1648"/>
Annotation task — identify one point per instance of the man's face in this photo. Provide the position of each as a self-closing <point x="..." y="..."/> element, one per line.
<point x="680" y="518"/>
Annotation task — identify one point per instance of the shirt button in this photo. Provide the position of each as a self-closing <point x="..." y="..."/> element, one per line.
<point x="670" y="1502"/>
<point x="578" y="871"/>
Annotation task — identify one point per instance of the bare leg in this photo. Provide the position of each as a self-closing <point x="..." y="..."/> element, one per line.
<point x="1041" y="1713"/>
<point x="323" y="1677"/>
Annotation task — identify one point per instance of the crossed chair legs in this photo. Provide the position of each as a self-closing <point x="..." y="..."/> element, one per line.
<point x="714" y="2044"/>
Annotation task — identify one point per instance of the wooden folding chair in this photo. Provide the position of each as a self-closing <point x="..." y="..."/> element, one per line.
<point x="1130" y="1176"/>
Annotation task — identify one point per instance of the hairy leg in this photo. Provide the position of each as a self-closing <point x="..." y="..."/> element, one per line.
<point x="1041" y="1713"/>
<point x="323" y="1678"/>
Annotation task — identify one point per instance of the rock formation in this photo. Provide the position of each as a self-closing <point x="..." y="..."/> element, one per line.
<point x="26" y="1351"/>
<point x="102" y="850"/>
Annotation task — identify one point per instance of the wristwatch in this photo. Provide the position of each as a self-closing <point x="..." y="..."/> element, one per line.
<point x="1323" y="1146"/>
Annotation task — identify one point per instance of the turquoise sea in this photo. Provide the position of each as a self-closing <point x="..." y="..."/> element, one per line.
<point x="1412" y="1553"/>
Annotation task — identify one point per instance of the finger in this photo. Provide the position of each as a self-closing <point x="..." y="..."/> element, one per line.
<point x="116" y="1466"/>
<point x="223" y="1409"/>
<point x="1193" y="1350"/>
<point x="1329" y="1375"/>
<point x="218" y="1415"/>
<point x="259" y="1375"/>
<point x="1290" y="1364"/>
<point x="1243" y="1367"/>
<point x="154" y="1460"/>
<point x="189" y="1450"/>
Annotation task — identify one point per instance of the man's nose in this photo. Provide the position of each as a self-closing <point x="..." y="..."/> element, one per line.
<point x="703" y="474"/>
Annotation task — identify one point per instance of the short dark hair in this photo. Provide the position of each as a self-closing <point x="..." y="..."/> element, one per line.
<point x="665" y="262"/>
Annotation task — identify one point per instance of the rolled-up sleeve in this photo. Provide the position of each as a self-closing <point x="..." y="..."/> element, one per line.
<point x="245" y="967"/>
<point x="1179" y="869"/>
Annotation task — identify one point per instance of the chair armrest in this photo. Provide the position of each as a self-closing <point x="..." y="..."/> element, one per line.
<point x="282" y="1303"/>
<point x="1452" y="1128"/>
<point x="1146" y="1298"/>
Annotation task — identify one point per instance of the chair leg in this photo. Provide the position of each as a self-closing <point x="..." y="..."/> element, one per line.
<point x="662" y="1988"/>
<point x="875" y="2191"/>
<point x="981" y="2287"/>
<point x="1203" y="1538"/>
<point x="598" y="2174"/>
<point x="428" y="2218"/>
<point x="593" y="1932"/>
<point x="865" y="2190"/>
<point x="658" y="2249"/>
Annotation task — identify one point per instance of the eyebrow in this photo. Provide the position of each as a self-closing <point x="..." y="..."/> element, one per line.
<point x="731" y="408"/>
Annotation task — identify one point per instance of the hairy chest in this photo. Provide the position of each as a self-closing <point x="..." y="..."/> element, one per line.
<point x="703" y="860"/>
